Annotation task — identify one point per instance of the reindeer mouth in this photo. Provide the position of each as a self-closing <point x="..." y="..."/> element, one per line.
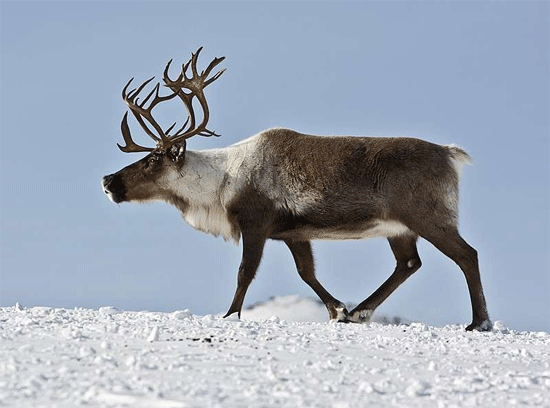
<point x="114" y="188"/>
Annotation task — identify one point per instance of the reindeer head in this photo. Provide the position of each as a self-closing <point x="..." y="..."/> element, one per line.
<point x="150" y="178"/>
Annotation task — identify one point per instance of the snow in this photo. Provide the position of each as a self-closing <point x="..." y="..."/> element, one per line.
<point x="53" y="357"/>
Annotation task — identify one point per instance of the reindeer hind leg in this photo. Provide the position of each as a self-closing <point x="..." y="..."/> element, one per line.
<point x="448" y="240"/>
<point x="408" y="262"/>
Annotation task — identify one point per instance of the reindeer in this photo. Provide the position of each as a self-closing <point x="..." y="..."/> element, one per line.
<point x="287" y="186"/>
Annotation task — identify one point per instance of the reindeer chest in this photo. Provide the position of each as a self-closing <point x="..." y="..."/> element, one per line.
<point x="211" y="219"/>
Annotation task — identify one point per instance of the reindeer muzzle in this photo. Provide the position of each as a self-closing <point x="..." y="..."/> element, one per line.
<point x="114" y="188"/>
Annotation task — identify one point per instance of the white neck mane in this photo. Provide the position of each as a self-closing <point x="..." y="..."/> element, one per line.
<point x="210" y="179"/>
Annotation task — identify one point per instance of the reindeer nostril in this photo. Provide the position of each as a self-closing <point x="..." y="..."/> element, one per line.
<point x="106" y="181"/>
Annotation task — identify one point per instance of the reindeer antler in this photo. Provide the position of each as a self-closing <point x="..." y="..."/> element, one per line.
<point x="195" y="85"/>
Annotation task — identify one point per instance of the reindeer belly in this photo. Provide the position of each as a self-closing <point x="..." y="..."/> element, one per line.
<point x="299" y="228"/>
<point x="377" y="228"/>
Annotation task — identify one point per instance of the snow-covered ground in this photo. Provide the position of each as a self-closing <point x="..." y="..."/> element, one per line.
<point x="52" y="357"/>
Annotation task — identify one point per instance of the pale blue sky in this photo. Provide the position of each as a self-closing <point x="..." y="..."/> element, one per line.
<point x="472" y="73"/>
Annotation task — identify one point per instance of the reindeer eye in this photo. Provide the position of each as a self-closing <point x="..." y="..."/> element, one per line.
<point x="151" y="161"/>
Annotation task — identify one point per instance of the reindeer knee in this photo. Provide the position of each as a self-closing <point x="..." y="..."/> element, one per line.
<point x="414" y="263"/>
<point x="410" y="266"/>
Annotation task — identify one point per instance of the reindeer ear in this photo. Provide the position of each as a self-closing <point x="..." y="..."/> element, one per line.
<point x="177" y="151"/>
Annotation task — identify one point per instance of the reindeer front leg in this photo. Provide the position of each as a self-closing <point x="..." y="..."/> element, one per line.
<point x="303" y="256"/>
<point x="253" y="247"/>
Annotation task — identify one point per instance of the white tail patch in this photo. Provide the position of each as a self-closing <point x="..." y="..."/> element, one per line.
<point x="458" y="158"/>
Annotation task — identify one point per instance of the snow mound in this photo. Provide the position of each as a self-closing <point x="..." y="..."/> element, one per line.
<point x="295" y="308"/>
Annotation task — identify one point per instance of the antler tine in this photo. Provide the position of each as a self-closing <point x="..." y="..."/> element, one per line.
<point x="216" y="76"/>
<point x="210" y="67"/>
<point x="184" y="67"/>
<point x="170" y="128"/>
<point x="131" y="146"/>
<point x="134" y="92"/>
<point x="155" y="90"/>
<point x="212" y="64"/>
<point x="126" y="87"/>
<point x="194" y="58"/>
<point x="166" y="77"/>
<point x="180" y="131"/>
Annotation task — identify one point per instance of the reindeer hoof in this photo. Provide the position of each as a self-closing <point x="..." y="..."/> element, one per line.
<point x="484" y="325"/>
<point x="361" y="316"/>
<point x="338" y="313"/>
<point x="231" y="313"/>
